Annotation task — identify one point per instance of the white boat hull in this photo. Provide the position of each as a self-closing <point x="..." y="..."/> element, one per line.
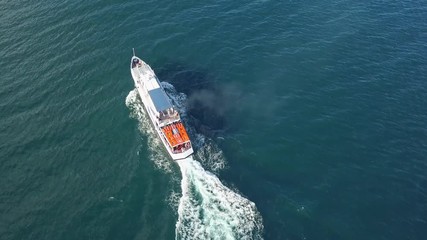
<point x="145" y="100"/>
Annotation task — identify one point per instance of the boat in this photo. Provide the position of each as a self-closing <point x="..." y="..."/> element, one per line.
<point x="163" y="115"/>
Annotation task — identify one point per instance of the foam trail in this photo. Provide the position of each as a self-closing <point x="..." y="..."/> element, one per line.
<point x="210" y="210"/>
<point x="161" y="161"/>
<point x="207" y="209"/>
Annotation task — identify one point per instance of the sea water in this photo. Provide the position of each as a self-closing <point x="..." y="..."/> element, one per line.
<point x="310" y="115"/>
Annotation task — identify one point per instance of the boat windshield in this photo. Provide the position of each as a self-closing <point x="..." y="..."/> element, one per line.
<point x="135" y="62"/>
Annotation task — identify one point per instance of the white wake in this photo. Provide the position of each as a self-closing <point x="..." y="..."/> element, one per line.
<point x="161" y="161"/>
<point x="207" y="209"/>
<point x="210" y="210"/>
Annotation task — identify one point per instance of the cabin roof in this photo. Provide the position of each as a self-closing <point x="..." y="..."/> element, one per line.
<point x="160" y="100"/>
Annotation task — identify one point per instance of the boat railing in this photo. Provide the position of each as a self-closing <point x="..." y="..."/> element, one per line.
<point x="168" y="118"/>
<point x="181" y="148"/>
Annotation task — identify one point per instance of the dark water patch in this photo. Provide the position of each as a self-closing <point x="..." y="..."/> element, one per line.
<point x="208" y="102"/>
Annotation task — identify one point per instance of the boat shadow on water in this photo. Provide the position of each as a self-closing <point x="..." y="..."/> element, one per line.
<point x="208" y="103"/>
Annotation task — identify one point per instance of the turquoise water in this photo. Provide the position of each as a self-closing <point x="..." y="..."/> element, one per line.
<point x="309" y="120"/>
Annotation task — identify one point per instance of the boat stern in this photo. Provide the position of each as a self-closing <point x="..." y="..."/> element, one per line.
<point x="183" y="155"/>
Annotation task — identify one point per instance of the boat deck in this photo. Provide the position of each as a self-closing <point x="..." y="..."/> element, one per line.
<point x="175" y="134"/>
